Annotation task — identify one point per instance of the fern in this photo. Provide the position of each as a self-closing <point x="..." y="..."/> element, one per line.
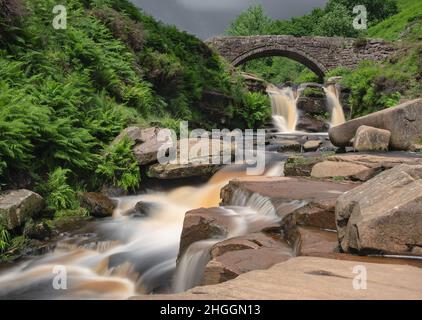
<point x="119" y="167"/>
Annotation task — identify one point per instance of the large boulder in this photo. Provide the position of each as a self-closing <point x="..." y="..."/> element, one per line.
<point x="384" y="214"/>
<point x="312" y="278"/>
<point x="371" y="139"/>
<point x="98" y="205"/>
<point x="235" y="256"/>
<point x="18" y="206"/>
<point x="403" y="121"/>
<point x="146" y="144"/>
<point x="147" y="151"/>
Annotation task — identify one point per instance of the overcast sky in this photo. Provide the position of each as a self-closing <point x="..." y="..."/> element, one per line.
<point x="207" y="18"/>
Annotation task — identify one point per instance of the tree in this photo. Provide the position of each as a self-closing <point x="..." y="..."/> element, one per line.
<point x="338" y="21"/>
<point x="378" y="10"/>
<point x="253" y="21"/>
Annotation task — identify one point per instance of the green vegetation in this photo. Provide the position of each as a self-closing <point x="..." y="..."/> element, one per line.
<point x="256" y="108"/>
<point x="378" y="86"/>
<point x="406" y="24"/>
<point x="66" y="94"/>
<point x="119" y="166"/>
<point x="373" y="86"/>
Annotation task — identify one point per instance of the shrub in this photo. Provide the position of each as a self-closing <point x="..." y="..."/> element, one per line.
<point x="256" y="109"/>
<point x="128" y="31"/>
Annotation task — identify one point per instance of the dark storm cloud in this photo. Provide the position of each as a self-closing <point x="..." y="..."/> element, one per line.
<point x="206" y="18"/>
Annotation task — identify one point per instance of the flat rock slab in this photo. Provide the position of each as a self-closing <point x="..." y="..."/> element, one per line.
<point x="385" y="160"/>
<point x="239" y="255"/>
<point x="312" y="278"/>
<point x="333" y="169"/>
<point x="359" y="166"/>
<point x="314" y="242"/>
<point x="294" y="199"/>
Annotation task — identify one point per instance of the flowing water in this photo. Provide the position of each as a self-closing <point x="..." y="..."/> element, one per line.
<point x="284" y="110"/>
<point x="334" y="105"/>
<point x="130" y="254"/>
<point x="285" y="114"/>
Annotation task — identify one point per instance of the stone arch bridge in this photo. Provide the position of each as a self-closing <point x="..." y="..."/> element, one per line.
<point x="320" y="54"/>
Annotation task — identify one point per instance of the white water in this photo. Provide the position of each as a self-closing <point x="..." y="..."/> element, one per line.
<point x="334" y="105"/>
<point x="285" y="114"/>
<point x="125" y="255"/>
<point x="284" y="108"/>
<point x="243" y="220"/>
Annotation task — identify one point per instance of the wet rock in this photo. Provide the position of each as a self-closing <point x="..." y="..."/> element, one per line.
<point x="204" y="224"/>
<point x="311" y="124"/>
<point x="294" y="200"/>
<point x="287" y="145"/>
<point x="312" y="105"/>
<point x="308" y="241"/>
<point x="313" y="145"/>
<point x="384" y="214"/>
<point x="312" y="278"/>
<point x="178" y="171"/>
<point x="403" y="121"/>
<point x="98" y="205"/>
<point x="371" y="139"/>
<point x="331" y="169"/>
<point x="144" y="208"/>
<point x="18" y="206"/>
<point x="231" y="258"/>
<point x="37" y="230"/>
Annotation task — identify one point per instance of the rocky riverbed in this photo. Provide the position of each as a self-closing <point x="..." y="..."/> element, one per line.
<point x="303" y="230"/>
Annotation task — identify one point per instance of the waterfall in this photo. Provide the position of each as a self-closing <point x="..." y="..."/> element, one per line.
<point x="334" y="105"/>
<point x="284" y="109"/>
<point x="245" y="213"/>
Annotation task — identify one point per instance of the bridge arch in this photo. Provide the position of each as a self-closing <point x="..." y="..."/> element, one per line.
<point x="269" y="51"/>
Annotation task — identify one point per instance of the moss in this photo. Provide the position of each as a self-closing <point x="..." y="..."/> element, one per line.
<point x="311" y="92"/>
<point x="302" y="166"/>
<point x="338" y="179"/>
